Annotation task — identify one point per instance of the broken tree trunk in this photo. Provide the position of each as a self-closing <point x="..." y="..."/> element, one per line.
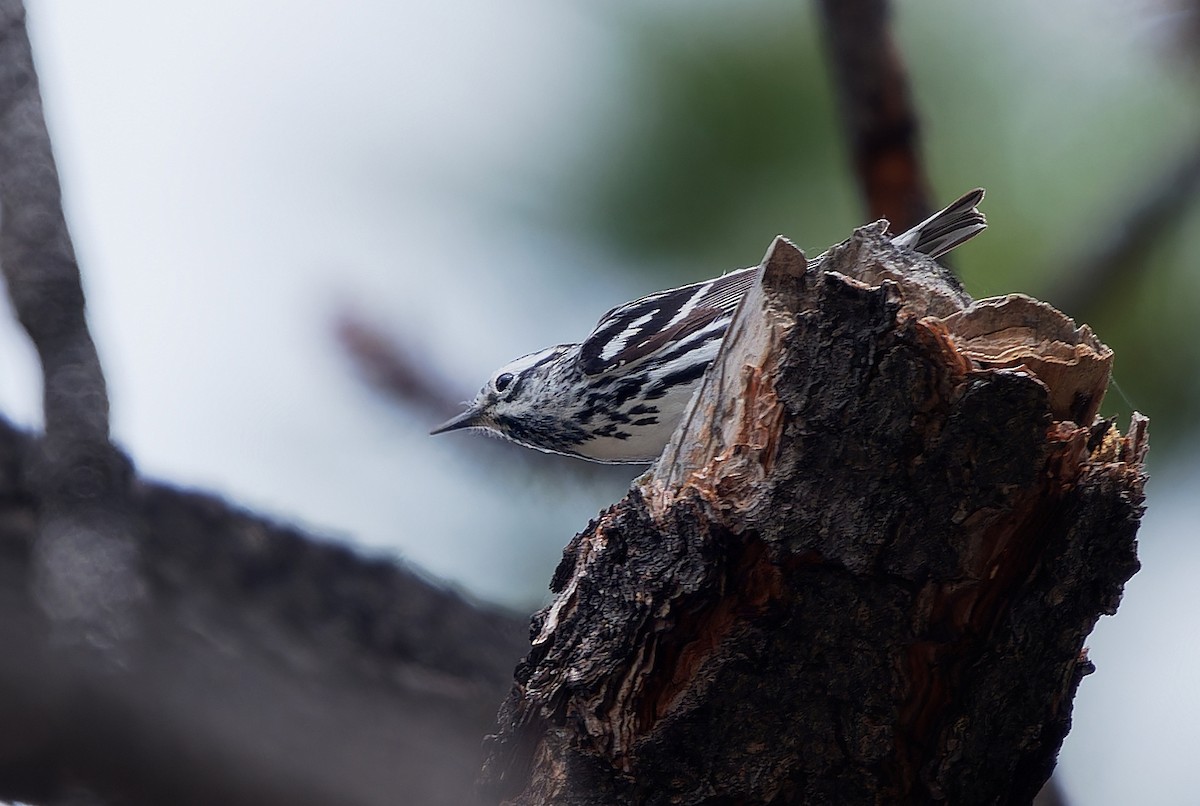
<point x="862" y="572"/>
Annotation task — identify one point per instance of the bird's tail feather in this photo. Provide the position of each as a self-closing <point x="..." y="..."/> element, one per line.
<point x="947" y="228"/>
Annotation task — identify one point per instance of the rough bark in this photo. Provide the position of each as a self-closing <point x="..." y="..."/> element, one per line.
<point x="863" y="571"/>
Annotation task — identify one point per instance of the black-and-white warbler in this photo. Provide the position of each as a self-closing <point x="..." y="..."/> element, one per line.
<point x="618" y="395"/>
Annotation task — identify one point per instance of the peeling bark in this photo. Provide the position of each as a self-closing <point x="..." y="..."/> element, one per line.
<point x="862" y="572"/>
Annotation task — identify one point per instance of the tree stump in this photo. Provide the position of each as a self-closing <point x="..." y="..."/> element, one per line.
<point x="863" y="571"/>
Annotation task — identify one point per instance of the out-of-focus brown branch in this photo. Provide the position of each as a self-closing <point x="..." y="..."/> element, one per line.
<point x="85" y="565"/>
<point x="393" y="368"/>
<point x="877" y="111"/>
<point x="1117" y="248"/>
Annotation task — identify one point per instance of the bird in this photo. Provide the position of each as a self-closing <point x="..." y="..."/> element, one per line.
<point x="617" y="396"/>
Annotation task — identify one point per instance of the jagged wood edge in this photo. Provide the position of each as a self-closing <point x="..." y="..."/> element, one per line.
<point x="633" y="692"/>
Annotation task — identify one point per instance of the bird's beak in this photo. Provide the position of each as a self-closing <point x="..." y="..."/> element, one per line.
<point x="468" y="418"/>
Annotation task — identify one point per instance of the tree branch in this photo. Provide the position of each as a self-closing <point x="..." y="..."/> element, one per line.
<point x="274" y="669"/>
<point x="85" y="563"/>
<point x="1118" y="249"/>
<point x="863" y="570"/>
<point x="393" y="368"/>
<point x="161" y="648"/>
<point x="35" y="248"/>
<point x="877" y="111"/>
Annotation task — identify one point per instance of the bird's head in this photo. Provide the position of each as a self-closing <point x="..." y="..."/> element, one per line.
<point x="518" y="394"/>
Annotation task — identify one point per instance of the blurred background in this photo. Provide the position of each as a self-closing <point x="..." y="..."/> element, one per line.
<point x="308" y="228"/>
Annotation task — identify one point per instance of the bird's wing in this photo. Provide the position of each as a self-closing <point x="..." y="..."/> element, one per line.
<point x="638" y="329"/>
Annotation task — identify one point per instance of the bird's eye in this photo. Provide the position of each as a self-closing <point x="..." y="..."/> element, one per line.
<point x="503" y="381"/>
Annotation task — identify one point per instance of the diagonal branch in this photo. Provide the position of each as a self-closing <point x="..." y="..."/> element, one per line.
<point x="392" y="367"/>
<point x="877" y="110"/>
<point x="1119" y="248"/>
<point x="36" y="253"/>
<point x="85" y="567"/>
<point x="272" y="668"/>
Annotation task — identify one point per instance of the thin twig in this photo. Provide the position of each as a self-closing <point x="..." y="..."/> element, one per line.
<point x="38" y="259"/>
<point x="393" y="368"/>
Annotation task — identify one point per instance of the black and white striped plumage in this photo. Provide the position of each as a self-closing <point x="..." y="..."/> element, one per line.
<point x="618" y="395"/>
